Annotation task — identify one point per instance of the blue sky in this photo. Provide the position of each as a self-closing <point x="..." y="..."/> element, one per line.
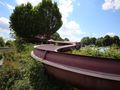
<point x="80" y="17"/>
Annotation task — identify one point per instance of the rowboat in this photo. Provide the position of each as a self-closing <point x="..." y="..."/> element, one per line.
<point x="86" y="72"/>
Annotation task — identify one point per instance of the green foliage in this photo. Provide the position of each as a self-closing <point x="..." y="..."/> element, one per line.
<point x="85" y="40"/>
<point x="99" y="41"/>
<point x="113" y="52"/>
<point x="56" y="37"/>
<point x="40" y="21"/>
<point x="2" y="43"/>
<point x="22" y="85"/>
<point x="48" y="18"/>
<point x="21" y="21"/>
<point x="1" y="56"/>
<point x="66" y="39"/>
<point x="107" y="52"/>
<point x="107" y="40"/>
<point x="40" y="80"/>
<point x="21" y="72"/>
<point x="14" y="74"/>
<point x="102" y="41"/>
<point x="8" y="75"/>
<point x="9" y="43"/>
<point x="93" y="40"/>
<point x="116" y="40"/>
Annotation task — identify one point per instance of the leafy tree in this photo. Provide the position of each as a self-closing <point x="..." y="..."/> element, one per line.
<point x="116" y="40"/>
<point x="66" y="39"/>
<point x="49" y="18"/>
<point x="99" y="41"/>
<point x="56" y="36"/>
<point x="2" y="43"/>
<point x="9" y="43"/>
<point x="107" y="40"/>
<point x="40" y="21"/>
<point x="93" y="40"/>
<point x="22" y="22"/>
<point x="85" y="40"/>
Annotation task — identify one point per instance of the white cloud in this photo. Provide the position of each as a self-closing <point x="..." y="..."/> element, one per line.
<point x="65" y="7"/>
<point x="70" y="28"/>
<point x="4" y="27"/>
<point x="33" y="2"/>
<point x="111" y="4"/>
<point x="4" y="22"/>
<point x="78" y="4"/>
<point x="8" y="6"/>
<point x="111" y="34"/>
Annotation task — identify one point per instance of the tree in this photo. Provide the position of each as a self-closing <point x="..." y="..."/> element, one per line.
<point x="99" y="41"/>
<point x="85" y="41"/>
<point x="22" y="22"/>
<point x="41" y="21"/>
<point x="116" y="40"/>
<point x="107" y="40"/>
<point x="49" y="18"/>
<point x="2" y="43"/>
<point x="56" y="36"/>
<point x="66" y="39"/>
<point x="93" y="40"/>
<point x="9" y="43"/>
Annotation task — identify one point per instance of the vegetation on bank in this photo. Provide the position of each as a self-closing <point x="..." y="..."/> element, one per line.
<point x="21" y="72"/>
<point x="112" y="51"/>
<point x="1" y="56"/>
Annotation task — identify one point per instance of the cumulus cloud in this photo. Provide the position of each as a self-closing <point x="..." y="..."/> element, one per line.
<point x="78" y="4"/>
<point x="4" y="22"/>
<point x="4" y="27"/>
<point x="8" y="6"/>
<point x="111" y="4"/>
<point x="111" y="34"/>
<point x="70" y="28"/>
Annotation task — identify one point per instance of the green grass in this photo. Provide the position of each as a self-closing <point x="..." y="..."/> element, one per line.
<point x="21" y="72"/>
<point x="111" y="51"/>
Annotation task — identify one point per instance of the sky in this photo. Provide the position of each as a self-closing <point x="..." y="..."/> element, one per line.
<point x="81" y="18"/>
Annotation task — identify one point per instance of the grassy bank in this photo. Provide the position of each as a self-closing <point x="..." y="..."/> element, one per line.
<point x="21" y="72"/>
<point x="112" y="51"/>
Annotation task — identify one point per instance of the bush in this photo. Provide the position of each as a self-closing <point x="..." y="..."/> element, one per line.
<point x="110" y="52"/>
<point x="41" y="81"/>
<point x="1" y="56"/>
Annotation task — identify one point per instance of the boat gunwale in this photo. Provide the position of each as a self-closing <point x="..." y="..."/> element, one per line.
<point x="87" y="72"/>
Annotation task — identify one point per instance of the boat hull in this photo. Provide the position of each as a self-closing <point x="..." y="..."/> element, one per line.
<point x="89" y="73"/>
<point x="82" y="81"/>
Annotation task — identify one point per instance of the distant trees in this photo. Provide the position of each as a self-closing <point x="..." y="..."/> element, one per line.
<point x="40" y="21"/>
<point x="99" y="41"/>
<point x="116" y="40"/>
<point x="66" y="39"/>
<point x="9" y="43"/>
<point x="2" y="43"/>
<point x="102" y="41"/>
<point x="85" y="40"/>
<point x="56" y="36"/>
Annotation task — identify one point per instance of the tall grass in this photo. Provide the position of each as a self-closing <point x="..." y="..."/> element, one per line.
<point x="110" y="51"/>
<point x="21" y="72"/>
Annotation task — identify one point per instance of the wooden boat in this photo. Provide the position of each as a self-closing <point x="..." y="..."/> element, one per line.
<point x="89" y="73"/>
